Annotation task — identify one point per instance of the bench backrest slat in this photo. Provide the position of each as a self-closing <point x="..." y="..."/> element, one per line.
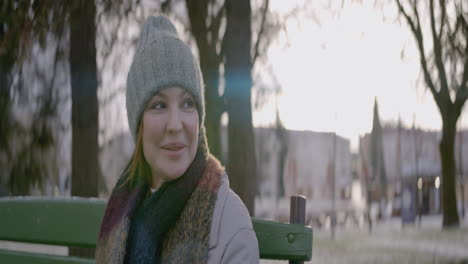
<point x="76" y="222"/>
<point x="16" y="257"/>
<point x="67" y="222"/>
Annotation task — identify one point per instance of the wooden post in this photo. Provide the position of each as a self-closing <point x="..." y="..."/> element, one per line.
<point x="297" y="215"/>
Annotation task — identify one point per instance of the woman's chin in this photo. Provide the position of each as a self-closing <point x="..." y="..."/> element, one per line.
<point x="169" y="170"/>
<point x="173" y="174"/>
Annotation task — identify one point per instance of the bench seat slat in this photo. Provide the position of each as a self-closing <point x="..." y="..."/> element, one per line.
<point x="13" y="257"/>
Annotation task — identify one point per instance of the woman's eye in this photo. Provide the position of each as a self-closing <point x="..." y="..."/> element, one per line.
<point x="158" y="105"/>
<point x="188" y="103"/>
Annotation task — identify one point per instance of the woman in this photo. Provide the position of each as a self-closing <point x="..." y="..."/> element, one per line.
<point x="172" y="203"/>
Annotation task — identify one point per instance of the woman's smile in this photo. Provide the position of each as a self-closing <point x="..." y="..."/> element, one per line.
<point x="174" y="149"/>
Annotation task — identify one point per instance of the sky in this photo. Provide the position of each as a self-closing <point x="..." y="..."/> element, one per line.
<point x="332" y="66"/>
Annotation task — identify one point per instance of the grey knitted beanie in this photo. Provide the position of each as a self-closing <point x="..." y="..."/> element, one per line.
<point x="161" y="60"/>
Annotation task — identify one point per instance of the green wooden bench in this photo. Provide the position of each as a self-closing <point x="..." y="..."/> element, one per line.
<point x="76" y="222"/>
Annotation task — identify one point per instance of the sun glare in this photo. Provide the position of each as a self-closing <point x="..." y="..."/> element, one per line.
<point x="331" y="73"/>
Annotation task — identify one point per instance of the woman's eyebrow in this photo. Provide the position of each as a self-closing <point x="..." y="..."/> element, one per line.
<point x="155" y="97"/>
<point x="160" y="94"/>
<point x="184" y="93"/>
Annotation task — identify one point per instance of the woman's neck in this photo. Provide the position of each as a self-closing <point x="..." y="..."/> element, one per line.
<point x="155" y="182"/>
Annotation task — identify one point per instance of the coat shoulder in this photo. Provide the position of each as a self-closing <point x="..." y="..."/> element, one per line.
<point x="235" y="212"/>
<point x="231" y="226"/>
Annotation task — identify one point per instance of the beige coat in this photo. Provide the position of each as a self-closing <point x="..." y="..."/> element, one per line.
<point x="232" y="239"/>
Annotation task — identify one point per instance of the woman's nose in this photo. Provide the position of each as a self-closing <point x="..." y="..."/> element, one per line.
<point x="175" y="122"/>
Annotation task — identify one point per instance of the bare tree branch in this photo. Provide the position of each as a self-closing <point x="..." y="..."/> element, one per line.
<point x="435" y="37"/>
<point x="416" y="29"/>
<point x="197" y="12"/>
<point x="463" y="84"/>
<point x="408" y="18"/>
<point x="223" y="47"/>
<point x="438" y="51"/>
<point x="416" y="13"/>
<point x="260" y="33"/>
<point x="462" y="92"/>
<point x="214" y="28"/>
<point x="443" y="14"/>
<point x="165" y="6"/>
<point x="216" y="22"/>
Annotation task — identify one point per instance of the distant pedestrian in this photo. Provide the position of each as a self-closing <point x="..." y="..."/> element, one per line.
<point x="172" y="203"/>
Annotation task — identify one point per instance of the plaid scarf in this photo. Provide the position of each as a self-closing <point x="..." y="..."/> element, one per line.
<point x="171" y="225"/>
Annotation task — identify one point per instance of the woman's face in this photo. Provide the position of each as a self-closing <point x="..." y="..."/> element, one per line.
<point x="170" y="134"/>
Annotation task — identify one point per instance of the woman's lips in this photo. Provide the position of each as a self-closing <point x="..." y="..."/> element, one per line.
<point x="173" y="145"/>
<point x="174" y="149"/>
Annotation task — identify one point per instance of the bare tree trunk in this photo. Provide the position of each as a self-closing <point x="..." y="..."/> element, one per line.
<point x="4" y="109"/>
<point x="212" y="105"/>
<point x="461" y="173"/>
<point x="84" y="100"/>
<point x="84" y="103"/>
<point x="447" y="50"/>
<point x="6" y="63"/>
<point x="206" y="27"/>
<point x="4" y="123"/>
<point x="209" y="63"/>
<point x="242" y="163"/>
<point x="447" y="154"/>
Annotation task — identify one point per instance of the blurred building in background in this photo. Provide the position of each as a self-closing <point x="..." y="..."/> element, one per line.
<point x="313" y="164"/>
<point x="317" y="162"/>
<point x="412" y="162"/>
<point x="306" y="165"/>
